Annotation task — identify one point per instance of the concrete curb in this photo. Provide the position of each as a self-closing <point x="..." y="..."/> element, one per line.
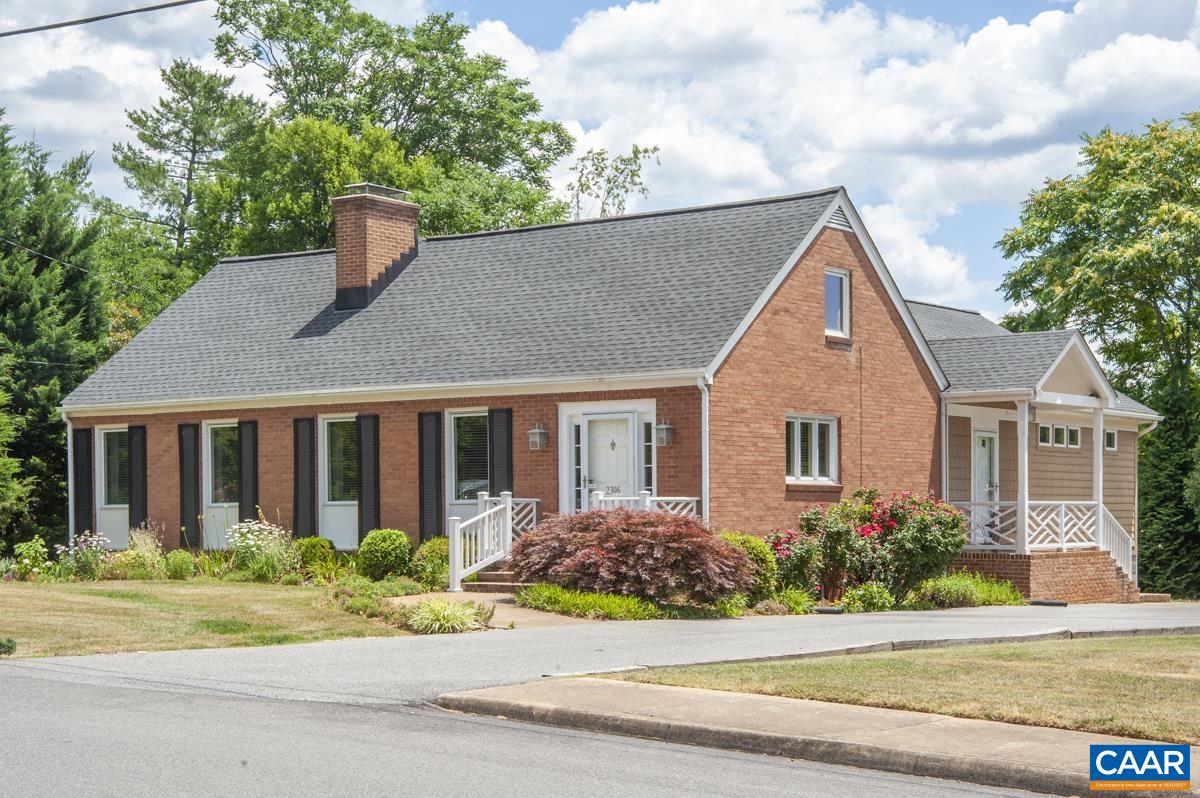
<point x="975" y="770"/>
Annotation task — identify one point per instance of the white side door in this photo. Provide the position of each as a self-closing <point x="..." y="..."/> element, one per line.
<point x="112" y="485"/>
<point x="219" y="461"/>
<point x="609" y="453"/>
<point x="337" y="470"/>
<point x="985" y="482"/>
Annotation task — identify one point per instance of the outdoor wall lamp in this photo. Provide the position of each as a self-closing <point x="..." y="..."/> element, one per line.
<point x="664" y="433"/>
<point x="537" y="438"/>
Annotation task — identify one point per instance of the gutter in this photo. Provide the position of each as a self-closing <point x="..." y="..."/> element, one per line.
<point x="703" y="384"/>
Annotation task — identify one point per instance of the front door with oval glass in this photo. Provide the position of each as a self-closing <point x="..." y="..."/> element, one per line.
<point x="608" y="454"/>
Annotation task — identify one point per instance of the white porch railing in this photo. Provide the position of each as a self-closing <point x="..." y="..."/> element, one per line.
<point x="676" y="505"/>
<point x="480" y="541"/>
<point x="1050" y="526"/>
<point x="525" y="511"/>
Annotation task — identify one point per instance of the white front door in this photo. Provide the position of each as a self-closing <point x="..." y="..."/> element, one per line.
<point x="608" y="454"/>
<point x="112" y="486"/>
<point x="338" y="481"/>
<point x="985" y="477"/>
<point x="220" y="482"/>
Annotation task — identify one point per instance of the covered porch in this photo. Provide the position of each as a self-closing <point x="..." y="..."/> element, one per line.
<point x="1047" y="463"/>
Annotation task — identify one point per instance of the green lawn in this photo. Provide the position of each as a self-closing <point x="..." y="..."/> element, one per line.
<point x="103" y="617"/>
<point x="1133" y="686"/>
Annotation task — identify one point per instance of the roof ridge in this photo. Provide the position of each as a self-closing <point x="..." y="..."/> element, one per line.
<point x="947" y="307"/>
<point x="276" y="255"/>
<point x="645" y="214"/>
<point x="1008" y="337"/>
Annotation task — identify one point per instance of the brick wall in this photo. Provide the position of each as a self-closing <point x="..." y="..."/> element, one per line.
<point x="535" y="473"/>
<point x="876" y="384"/>
<point x="1080" y="576"/>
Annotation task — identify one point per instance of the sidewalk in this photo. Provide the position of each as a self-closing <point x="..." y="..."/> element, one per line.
<point x="915" y="743"/>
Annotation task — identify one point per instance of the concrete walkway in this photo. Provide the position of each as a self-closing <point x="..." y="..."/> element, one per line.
<point x="914" y="743"/>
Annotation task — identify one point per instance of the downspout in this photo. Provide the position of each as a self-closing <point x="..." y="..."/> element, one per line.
<point x="704" y="382"/>
<point x="944" y="421"/>
<point x="70" y="480"/>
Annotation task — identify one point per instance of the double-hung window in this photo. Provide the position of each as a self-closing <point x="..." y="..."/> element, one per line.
<point x="342" y="456"/>
<point x="811" y="449"/>
<point x="223" y="465"/>
<point x="470" y="456"/>
<point x="837" y="303"/>
<point x="116" y="467"/>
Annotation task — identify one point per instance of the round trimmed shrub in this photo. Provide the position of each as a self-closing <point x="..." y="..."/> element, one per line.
<point x="180" y="565"/>
<point x="314" y="550"/>
<point x="762" y="564"/>
<point x="384" y="552"/>
<point x="8" y="646"/>
<point x="431" y="563"/>
<point x="653" y="555"/>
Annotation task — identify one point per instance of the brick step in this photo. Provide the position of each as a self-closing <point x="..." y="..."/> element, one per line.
<point x="493" y="587"/>
<point x="1153" y="598"/>
<point x="498" y="576"/>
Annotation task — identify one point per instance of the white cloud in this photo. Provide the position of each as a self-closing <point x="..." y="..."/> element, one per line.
<point x="916" y="118"/>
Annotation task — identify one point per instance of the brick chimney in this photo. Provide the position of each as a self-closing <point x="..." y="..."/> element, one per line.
<point x="375" y="228"/>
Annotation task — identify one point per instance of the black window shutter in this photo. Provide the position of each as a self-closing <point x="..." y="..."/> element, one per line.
<point x="429" y="457"/>
<point x="500" y="450"/>
<point x="137" y="477"/>
<point x="304" y="477"/>
<point x="84" y="484"/>
<point x="189" y="486"/>
<point x="247" y="466"/>
<point x="368" y="475"/>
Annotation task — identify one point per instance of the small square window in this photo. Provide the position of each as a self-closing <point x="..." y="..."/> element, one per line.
<point x="1073" y="437"/>
<point x="1110" y="439"/>
<point x="1044" y="435"/>
<point x="811" y="448"/>
<point x="1060" y="435"/>
<point x="837" y="303"/>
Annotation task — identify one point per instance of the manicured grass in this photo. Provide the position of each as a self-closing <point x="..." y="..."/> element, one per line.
<point x="104" y="617"/>
<point x="1132" y="686"/>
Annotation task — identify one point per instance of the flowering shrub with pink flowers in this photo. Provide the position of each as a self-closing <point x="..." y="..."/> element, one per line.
<point x="897" y="541"/>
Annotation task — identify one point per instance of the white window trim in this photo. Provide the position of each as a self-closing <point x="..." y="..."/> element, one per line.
<point x="323" y="459"/>
<point x="206" y="459"/>
<point x="1115" y="438"/>
<point x="1078" y="437"/>
<point x="832" y="479"/>
<point x="1054" y="436"/>
<point x="101" y="460"/>
<point x="448" y="448"/>
<point x="844" y="275"/>
<point x="1049" y="438"/>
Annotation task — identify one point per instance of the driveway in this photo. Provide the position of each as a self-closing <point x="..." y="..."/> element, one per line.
<point x="409" y="670"/>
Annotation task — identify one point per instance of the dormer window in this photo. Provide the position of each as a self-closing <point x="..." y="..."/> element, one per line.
<point x="837" y="303"/>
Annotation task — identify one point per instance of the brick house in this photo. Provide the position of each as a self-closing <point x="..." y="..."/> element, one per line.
<point x="738" y="361"/>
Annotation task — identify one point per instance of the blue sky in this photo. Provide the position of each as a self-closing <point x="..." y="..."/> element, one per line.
<point x="939" y="117"/>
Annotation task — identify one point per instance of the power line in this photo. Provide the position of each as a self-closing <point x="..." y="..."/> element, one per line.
<point x="112" y="280"/>
<point x="97" y="18"/>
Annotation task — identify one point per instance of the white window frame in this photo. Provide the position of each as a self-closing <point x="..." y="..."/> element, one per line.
<point x="323" y="423"/>
<point x="1049" y="435"/>
<point x="844" y="276"/>
<point x="206" y="460"/>
<point x="832" y="421"/>
<point x="451" y="466"/>
<point x="1078" y="437"/>
<point x="1054" y="436"/>
<point x="1115" y="438"/>
<point x="102" y="464"/>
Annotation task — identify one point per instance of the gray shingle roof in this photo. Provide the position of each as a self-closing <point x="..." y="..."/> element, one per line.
<point x="640" y="293"/>
<point x="995" y="363"/>
<point x="940" y="321"/>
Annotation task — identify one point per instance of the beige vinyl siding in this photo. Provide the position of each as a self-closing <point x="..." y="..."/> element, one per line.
<point x="1055" y="473"/>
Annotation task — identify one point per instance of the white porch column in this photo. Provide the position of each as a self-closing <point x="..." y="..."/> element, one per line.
<point x="1098" y="468"/>
<point x="1023" y="476"/>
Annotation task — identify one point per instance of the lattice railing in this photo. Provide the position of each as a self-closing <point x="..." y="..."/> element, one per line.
<point x="1062" y="525"/>
<point x="525" y="511"/>
<point x="991" y="525"/>
<point x="677" y="505"/>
